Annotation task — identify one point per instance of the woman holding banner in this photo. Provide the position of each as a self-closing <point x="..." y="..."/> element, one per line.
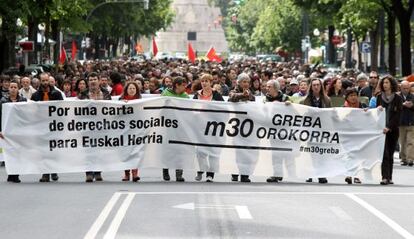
<point x="317" y="98"/>
<point x="239" y="94"/>
<point x="274" y="94"/>
<point x="389" y="100"/>
<point x="131" y="92"/>
<point x="213" y="154"/>
<point x="13" y="96"/>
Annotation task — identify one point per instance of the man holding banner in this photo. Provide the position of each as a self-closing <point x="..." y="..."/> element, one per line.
<point x="178" y="90"/>
<point x="94" y="92"/>
<point x="46" y="93"/>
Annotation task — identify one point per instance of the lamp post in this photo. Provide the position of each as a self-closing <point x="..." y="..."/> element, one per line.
<point x="317" y="34"/>
<point x="41" y="28"/>
<point x="146" y="6"/>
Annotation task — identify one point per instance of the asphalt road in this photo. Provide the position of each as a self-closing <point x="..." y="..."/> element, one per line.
<point x="151" y="208"/>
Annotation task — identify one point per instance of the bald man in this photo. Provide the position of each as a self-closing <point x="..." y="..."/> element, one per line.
<point x="407" y="126"/>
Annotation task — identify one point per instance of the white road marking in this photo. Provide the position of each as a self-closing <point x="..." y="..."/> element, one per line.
<point x="399" y="229"/>
<point x="192" y="206"/>
<point x="269" y="193"/>
<point x="116" y="222"/>
<point x="243" y="212"/>
<point x="340" y="213"/>
<point x="102" y="217"/>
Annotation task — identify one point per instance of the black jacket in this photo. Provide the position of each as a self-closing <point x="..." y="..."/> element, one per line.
<point x="392" y="110"/>
<point x="53" y="94"/>
<point x="407" y="114"/>
<point x="367" y="91"/>
<point x="216" y="96"/>
<point x="7" y="100"/>
<point x="280" y="97"/>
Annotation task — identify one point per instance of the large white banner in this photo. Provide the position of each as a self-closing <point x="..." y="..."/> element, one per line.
<point x="248" y="138"/>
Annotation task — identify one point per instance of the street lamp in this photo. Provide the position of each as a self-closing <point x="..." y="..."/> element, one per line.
<point x="316" y="32"/>
<point x="41" y="28"/>
<point x="19" y="22"/>
<point x="146" y="7"/>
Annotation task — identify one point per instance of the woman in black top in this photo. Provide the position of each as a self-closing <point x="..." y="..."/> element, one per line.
<point x="389" y="100"/>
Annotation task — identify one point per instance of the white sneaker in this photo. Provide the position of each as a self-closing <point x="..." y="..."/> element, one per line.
<point x="209" y="179"/>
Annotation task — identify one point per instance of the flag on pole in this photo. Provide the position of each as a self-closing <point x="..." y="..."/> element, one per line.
<point x="212" y="55"/>
<point x="191" y="54"/>
<point x="62" y="57"/>
<point x="154" y="47"/>
<point x="74" y="50"/>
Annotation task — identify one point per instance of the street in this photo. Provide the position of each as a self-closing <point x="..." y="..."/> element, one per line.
<point x="152" y="208"/>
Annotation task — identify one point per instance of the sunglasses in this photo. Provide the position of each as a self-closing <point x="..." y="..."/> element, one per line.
<point x="373" y="77"/>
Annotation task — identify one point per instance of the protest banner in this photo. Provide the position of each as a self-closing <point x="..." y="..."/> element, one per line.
<point x="249" y="138"/>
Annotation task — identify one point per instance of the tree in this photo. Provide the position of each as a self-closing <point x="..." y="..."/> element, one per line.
<point x="10" y="11"/>
<point x="403" y="12"/>
<point x="239" y="32"/>
<point x="324" y="11"/>
<point x="278" y="26"/>
<point x="111" y="22"/>
<point x="361" y="16"/>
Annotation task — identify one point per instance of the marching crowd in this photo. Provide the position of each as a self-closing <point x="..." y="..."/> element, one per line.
<point x="249" y="80"/>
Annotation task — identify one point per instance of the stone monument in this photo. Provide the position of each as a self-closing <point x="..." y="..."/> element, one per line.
<point x="196" y="22"/>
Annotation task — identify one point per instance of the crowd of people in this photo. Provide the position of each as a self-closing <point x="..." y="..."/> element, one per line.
<point x="249" y="80"/>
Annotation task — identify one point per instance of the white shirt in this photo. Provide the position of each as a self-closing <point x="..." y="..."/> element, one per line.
<point x="27" y="94"/>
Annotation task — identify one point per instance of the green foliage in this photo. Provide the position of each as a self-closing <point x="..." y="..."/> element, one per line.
<point x="10" y="11"/>
<point x="281" y="31"/>
<point x="247" y="20"/>
<point x="360" y="15"/>
<point x="131" y="19"/>
<point x="263" y="25"/>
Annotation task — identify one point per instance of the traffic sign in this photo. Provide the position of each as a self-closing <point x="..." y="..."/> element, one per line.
<point x="336" y="40"/>
<point x="27" y="46"/>
<point x="365" y="47"/>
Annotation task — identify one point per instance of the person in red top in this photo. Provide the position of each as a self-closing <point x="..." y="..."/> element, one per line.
<point x="117" y="88"/>
<point x="352" y="101"/>
<point x="131" y="92"/>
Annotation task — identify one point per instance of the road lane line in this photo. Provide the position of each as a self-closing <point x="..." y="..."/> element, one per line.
<point x="243" y="212"/>
<point x="225" y="227"/>
<point x="399" y="229"/>
<point x="273" y="193"/>
<point x="116" y="222"/>
<point x="340" y="213"/>
<point x="93" y="231"/>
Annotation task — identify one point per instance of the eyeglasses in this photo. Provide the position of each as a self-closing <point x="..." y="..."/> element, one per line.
<point x="373" y="77"/>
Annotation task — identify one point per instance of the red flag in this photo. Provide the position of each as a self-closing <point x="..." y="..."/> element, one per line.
<point x="154" y="47"/>
<point x="212" y="55"/>
<point x="74" y="50"/>
<point x="62" y="57"/>
<point x="191" y="54"/>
